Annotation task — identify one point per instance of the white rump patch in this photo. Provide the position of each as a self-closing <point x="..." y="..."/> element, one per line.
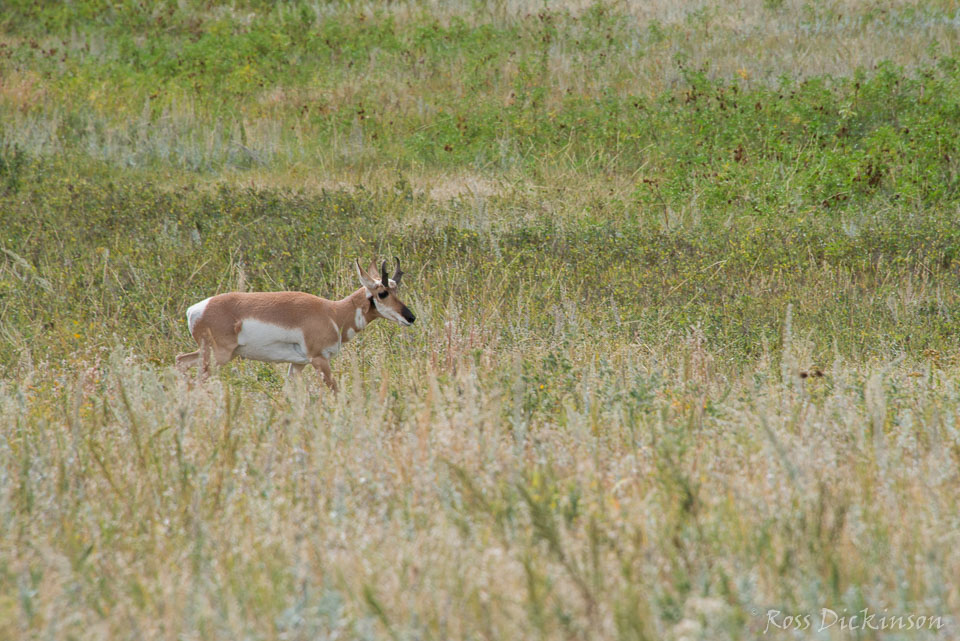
<point x="260" y="341"/>
<point x="195" y="313"/>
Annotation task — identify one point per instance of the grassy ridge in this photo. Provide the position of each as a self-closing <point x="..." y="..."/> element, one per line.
<point x="634" y="238"/>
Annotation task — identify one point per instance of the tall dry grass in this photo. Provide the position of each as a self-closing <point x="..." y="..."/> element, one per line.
<point x="661" y="497"/>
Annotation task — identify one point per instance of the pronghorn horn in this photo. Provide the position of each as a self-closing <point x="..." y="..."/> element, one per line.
<point x="397" y="274"/>
<point x="383" y="274"/>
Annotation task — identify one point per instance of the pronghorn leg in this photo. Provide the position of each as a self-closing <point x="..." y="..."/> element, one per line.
<point x="187" y="360"/>
<point x="204" y="359"/>
<point x="323" y="367"/>
<point x="295" y="368"/>
<point x="223" y="354"/>
<point x="220" y="357"/>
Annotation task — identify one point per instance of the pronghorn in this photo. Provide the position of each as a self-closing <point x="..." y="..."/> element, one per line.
<point x="291" y="327"/>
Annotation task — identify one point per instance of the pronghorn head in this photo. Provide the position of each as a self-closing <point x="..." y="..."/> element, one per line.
<point x="382" y="293"/>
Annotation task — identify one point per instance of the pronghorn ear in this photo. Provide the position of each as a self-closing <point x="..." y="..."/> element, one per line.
<point x="372" y="271"/>
<point x="365" y="279"/>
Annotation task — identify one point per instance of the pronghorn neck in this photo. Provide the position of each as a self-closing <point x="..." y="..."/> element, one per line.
<point x="354" y="313"/>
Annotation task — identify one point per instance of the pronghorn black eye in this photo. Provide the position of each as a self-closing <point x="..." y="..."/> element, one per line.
<point x="382" y="295"/>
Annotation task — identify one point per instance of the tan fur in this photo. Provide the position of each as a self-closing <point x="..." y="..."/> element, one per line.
<point x="324" y="323"/>
<point x="224" y="315"/>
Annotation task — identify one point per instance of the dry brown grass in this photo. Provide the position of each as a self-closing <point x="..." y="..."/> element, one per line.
<point x="431" y="506"/>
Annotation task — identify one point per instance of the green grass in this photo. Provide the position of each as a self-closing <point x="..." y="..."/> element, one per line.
<point x="634" y="238"/>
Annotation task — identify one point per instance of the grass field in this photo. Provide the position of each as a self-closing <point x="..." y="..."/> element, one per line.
<point x="687" y="279"/>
